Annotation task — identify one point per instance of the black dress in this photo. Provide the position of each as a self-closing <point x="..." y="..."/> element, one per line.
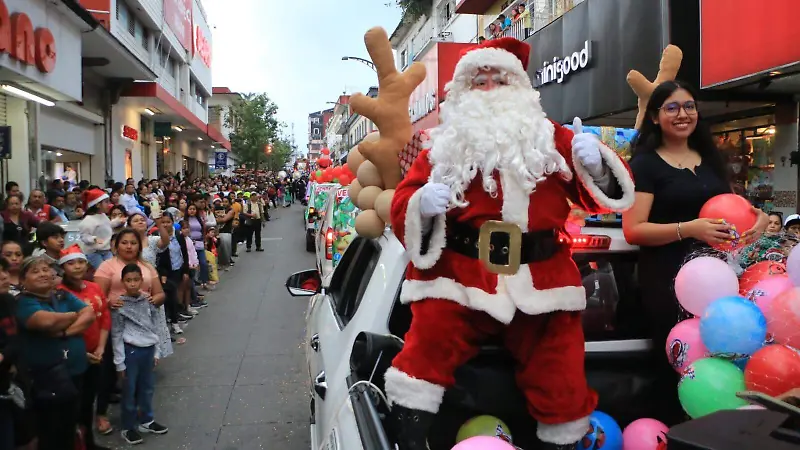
<point x="678" y="196"/>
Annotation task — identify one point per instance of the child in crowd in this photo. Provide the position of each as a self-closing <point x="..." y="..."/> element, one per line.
<point x="211" y="255"/>
<point x="134" y="334"/>
<point x="96" y="229"/>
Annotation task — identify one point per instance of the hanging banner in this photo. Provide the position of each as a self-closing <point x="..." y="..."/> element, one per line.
<point x="221" y="160"/>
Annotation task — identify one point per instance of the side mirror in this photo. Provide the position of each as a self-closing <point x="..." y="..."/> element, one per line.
<point x="304" y="284"/>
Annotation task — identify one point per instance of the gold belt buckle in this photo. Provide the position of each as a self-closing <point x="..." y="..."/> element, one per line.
<point x="513" y="250"/>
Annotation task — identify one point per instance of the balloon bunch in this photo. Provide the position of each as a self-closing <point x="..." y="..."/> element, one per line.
<point x="376" y="161"/>
<point x="743" y="334"/>
<point x="325" y="160"/>
<point x="338" y="174"/>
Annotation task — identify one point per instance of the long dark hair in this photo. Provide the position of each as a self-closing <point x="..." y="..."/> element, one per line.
<point x="132" y="232"/>
<point x="650" y="136"/>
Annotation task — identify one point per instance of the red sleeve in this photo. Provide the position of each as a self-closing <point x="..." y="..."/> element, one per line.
<point x="105" y="318"/>
<point x="31" y="219"/>
<point x="424" y="248"/>
<point x="583" y="190"/>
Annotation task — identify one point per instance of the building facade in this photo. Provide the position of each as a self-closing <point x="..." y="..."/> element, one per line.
<point x="356" y="127"/>
<point x="335" y="128"/>
<point x="316" y="133"/>
<point x="221" y="161"/>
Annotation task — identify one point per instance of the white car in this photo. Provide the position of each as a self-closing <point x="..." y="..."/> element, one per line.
<point x="355" y="323"/>
<point x="315" y="210"/>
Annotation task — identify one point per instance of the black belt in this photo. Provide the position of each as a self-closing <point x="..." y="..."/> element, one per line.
<point x="535" y="246"/>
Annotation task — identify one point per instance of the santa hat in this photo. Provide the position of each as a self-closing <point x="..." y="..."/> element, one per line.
<point x="92" y="197"/>
<point x="505" y="54"/>
<point x="71" y="253"/>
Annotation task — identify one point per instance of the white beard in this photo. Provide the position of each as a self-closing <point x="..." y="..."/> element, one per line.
<point x="504" y="129"/>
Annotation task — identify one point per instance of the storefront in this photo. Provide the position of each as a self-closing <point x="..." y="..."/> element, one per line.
<point x="32" y="84"/>
<point x="579" y="64"/>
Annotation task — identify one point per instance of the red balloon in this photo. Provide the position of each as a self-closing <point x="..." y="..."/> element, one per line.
<point x="773" y="370"/>
<point x="758" y="272"/>
<point x="783" y="318"/>
<point x="345" y="180"/>
<point x="337" y="171"/>
<point x="346" y="168"/>
<point x="325" y="151"/>
<point x="734" y="210"/>
<point x="324" y="162"/>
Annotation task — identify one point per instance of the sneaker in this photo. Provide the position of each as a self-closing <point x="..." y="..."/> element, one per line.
<point x="153" y="427"/>
<point x="248" y="250"/>
<point x="200" y="304"/>
<point x="132" y="436"/>
<point x="185" y="315"/>
<point x="192" y="310"/>
<point x="176" y="329"/>
<point x="259" y="249"/>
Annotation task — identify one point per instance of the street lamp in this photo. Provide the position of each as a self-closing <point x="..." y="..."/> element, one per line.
<point x="268" y="149"/>
<point x="361" y="60"/>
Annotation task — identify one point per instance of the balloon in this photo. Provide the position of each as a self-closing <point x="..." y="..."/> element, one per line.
<point x="318" y="173"/>
<point x="344" y="180"/>
<point x="766" y="290"/>
<point x="684" y="345"/>
<point x="325" y="151"/>
<point x="484" y="426"/>
<point x="644" y="434"/>
<point x="758" y="272"/>
<point x="733" y="327"/>
<point x="793" y="266"/>
<point x="346" y="168"/>
<point x="601" y="426"/>
<point x="703" y="280"/>
<point x="783" y="318"/>
<point x="709" y="385"/>
<point x="336" y="171"/>
<point x="483" y="443"/>
<point x="336" y="180"/>
<point x="773" y="370"/>
<point x="324" y="162"/>
<point x="354" y="160"/>
<point x="734" y="210"/>
<point x="368" y="175"/>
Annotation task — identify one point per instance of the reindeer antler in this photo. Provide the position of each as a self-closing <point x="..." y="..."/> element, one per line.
<point x="389" y="111"/>
<point x="643" y="88"/>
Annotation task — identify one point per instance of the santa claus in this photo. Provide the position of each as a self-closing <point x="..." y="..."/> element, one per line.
<point x="482" y="213"/>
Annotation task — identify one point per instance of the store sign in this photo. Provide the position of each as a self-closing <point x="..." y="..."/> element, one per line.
<point x="422" y="106"/>
<point x="178" y="15"/>
<point x="342" y="193"/>
<point x="5" y="142"/>
<point x="202" y="47"/>
<point x="25" y="44"/>
<point x="221" y="160"/>
<point x="558" y="70"/>
<point x="130" y="133"/>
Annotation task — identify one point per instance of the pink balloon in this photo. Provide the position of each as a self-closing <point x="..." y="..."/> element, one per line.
<point x="766" y="290"/>
<point x="703" y="280"/>
<point x="793" y="266"/>
<point x="644" y="434"/>
<point x="483" y="443"/>
<point x="684" y="345"/>
<point x="783" y="318"/>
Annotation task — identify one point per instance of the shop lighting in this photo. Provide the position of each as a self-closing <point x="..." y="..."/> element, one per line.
<point x="770" y="130"/>
<point x="59" y="154"/>
<point x="159" y="142"/>
<point x="177" y="128"/>
<point x="149" y="111"/>
<point x="17" y="92"/>
<point x="199" y="138"/>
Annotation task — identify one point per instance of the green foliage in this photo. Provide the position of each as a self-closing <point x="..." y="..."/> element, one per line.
<point x="414" y="9"/>
<point x="253" y="119"/>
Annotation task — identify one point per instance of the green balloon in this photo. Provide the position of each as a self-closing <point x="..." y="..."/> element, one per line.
<point x="319" y="173"/>
<point x="483" y="426"/>
<point x="709" y="385"/>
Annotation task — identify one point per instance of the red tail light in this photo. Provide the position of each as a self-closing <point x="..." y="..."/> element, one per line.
<point x="329" y="244"/>
<point x="587" y="242"/>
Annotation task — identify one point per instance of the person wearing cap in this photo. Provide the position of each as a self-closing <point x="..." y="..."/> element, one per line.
<point x="50" y="238"/>
<point x="497" y="161"/>
<point x="96" y="229"/>
<point x="792" y="224"/>
<point x="74" y="266"/>
<point x="254" y="213"/>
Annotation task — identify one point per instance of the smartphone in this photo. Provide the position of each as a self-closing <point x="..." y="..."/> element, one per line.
<point x="771" y="403"/>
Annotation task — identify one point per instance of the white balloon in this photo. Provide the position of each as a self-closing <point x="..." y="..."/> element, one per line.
<point x="793" y="266"/>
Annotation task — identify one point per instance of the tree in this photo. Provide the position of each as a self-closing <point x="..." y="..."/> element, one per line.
<point x="414" y="9"/>
<point x="253" y="119"/>
<point x="279" y="154"/>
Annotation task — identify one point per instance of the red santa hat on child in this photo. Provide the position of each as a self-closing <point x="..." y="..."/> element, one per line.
<point x="71" y="253"/>
<point x="93" y="197"/>
<point x="505" y="54"/>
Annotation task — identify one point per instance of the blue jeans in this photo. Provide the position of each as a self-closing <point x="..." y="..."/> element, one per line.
<point x="97" y="258"/>
<point x="203" y="263"/>
<point x="138" y="387"/>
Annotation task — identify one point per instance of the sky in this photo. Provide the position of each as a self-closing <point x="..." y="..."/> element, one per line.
<point x="292" y="51"/>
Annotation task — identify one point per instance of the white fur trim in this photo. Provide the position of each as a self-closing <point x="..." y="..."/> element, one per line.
<point x="512" y="293"/>
<point x="404" y="390"/>
<point x="70" y="257"/>
<point x="415" y="234"/>
<point x="563" y="433"/>
<point x="620" y="173"/>
<point x="490" y="57"/>
<point x="515" y="201"/>
<point x="96" y="201"/>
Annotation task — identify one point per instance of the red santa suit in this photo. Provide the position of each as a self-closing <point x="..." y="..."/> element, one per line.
<point x="457" y="302"/>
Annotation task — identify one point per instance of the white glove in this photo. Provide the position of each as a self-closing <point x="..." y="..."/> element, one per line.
<point x="434" y="199"/>
<point x="586" y="147"/>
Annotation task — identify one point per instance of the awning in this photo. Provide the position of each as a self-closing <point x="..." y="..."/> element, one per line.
<point x="474" y="6"/>
<point x="168" y="109"/>
<point x="104" y="54"/>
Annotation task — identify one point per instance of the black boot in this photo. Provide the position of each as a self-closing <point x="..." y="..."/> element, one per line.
<point x="410" y="427"/>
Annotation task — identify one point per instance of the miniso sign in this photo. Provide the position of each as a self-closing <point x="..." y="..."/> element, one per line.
<point x="557" y="70"/>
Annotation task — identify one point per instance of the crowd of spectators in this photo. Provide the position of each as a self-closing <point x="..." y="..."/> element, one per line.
<point x="86" y="315"/>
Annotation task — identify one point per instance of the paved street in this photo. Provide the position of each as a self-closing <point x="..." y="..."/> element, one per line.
<point x="239" y="383"/>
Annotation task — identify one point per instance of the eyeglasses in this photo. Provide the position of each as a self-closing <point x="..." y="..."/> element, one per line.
<point x="674" y="108"/>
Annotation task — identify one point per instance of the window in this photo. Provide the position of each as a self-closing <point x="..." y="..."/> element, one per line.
<point x="123" y="15"/>
<point x="131" y="24"/>
<point x="164" y="58"/>
<point x="171" y="67"/>
<point x="352" y="276"/>
<point x="447" y="12"/>
<point x="145" y="38"/>
<point x="404" y="59"/>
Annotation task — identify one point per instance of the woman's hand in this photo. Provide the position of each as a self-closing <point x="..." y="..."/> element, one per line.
<point x="711" y="231"/>
<point x="758" y="229"/>
<point x="116" y="303"/>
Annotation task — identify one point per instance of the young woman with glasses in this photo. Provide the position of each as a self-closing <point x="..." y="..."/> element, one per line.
<point x="677" y="168"/>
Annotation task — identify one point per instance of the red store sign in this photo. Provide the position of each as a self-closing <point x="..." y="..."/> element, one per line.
<point x="28" y="46"/>
<point x="202" y="47"/>
<point x="440" y="62"/>
<point x="178" y="14"/>
<point x="130" y="133"/>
